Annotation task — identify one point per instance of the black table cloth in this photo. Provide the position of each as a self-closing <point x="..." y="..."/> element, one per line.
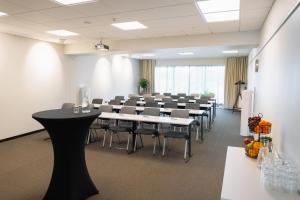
<point x="70" y="178"/>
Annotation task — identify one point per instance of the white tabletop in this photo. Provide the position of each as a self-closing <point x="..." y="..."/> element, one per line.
<point x="163" y="110"/>
<point x="146" y="118"/>
<point x="242" y="180"/>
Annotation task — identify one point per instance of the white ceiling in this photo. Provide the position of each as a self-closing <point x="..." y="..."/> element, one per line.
<point x="199" y="52"/>
<point x="163" y="18"/>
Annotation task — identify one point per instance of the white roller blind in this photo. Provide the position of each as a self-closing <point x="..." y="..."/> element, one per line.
<point x="191" y="79"/>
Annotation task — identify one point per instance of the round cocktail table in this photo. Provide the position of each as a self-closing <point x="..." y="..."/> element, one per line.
<point x="70" y="178"/>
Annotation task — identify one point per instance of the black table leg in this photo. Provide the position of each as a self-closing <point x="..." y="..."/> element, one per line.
<point x="189" y="143"/>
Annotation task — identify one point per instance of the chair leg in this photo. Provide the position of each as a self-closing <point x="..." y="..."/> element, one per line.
<point x="164" y="147"/>
<point x="135" y="144"/>
<point x="111" y="135"/>
<point x="103" y="144"/>
<point x="197" y="135"/>
<point x="159" y="142"/>
<point x="118" y="138"/>
<point x="141" y="140"/>
<point x="154" y="146"/>
<point x="128" y="141"/>
<point x="185" y="149"/>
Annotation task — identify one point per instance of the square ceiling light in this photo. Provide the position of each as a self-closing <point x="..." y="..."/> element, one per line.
<point x="73" y="2"/>
<point x="230" y="51"/>
<point x="126" y="26"/>
<point x="63" y="33"/>
<point x="219" y="10"/>
<point x="3" y="14"/>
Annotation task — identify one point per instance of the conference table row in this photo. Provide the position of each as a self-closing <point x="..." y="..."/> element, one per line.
<point x="210" y="107"/>
<point x="196" y="114"/>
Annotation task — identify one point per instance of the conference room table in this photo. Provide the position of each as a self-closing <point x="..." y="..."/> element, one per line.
<point x="193" y="113"/>
<point x="152" y="119"/>
<point x="70" y="178"/>
<point x="207" y="107"/>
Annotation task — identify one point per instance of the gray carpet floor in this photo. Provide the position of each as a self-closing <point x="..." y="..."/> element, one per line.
<point x="26" y="167"/>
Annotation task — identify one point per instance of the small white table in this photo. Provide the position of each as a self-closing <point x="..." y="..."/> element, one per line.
<point x="242" y="179"/>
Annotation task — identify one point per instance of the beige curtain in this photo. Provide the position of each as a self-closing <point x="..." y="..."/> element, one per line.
<point x="147" y="72"/>
<point x="235" y="70"/>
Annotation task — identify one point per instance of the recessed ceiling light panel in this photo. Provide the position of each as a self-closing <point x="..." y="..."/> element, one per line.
<point x="219" y="10"/>
<point x="148" y="55"/>
<point x="222" y="16"/>
<point x="186" y="53"/>
<point x="3" y="14"/>
<point x="230" y="51"/>
<point x="73" y="2"/>
<point x="63" y="33"/>
<point x="133" y="25"/>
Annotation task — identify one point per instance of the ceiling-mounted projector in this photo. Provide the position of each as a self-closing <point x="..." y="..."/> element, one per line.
<point x="102" y="47"/>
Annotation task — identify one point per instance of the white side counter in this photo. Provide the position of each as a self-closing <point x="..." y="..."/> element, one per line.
<point x="241" y="179"/>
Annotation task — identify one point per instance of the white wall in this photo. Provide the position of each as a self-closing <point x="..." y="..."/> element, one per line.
<point x="34" y="76"/>
<point x="105" y="76"/>
<point x="277" y="82"/>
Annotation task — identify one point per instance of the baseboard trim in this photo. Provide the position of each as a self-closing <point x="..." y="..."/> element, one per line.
<point x="22" y="135"/>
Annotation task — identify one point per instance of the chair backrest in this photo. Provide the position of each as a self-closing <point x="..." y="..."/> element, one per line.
<point x="167" y="94"/>
<point x="155" y="93"/>
<point x="167" y="99"/>
<point x="128" y="110"/>
<point x="130" y="102"/>
<point x="183" y="100"/>
<point x="180" y="113"/>
<point x="97" y="101"/>
<point x="149" y="99"/>
<point x="205" y="97"/>
<point x="202" y="101"/>
<point x="181" y="94"/>
<point x="174" y="96"/>
<point x="151" y="111"/>
<point x="195" y="94"/>
<point x="106" y="108"/>
<point x="170" y="105"/>
<point x="119" y="98"/>
<point x="151" y="104"/>
<point x="194" y="106"/>
<point x="190" y="97"/>
<point x="134" y="98"/>
<point x="114" y="102"/>
<point x="67" y="105"/>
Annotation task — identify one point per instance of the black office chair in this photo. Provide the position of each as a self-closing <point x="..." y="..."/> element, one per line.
<point x="170" y="105"/>
<point x="135" y="98"/>
<point x="130" y="102"/>
<point x="155" y="93"/>
<point x="67" y="105"/>
<point x="100" y="124"/>
<point x="183" y="100"/>
<point x="167" y="99"/>
<point x="177" y="131"/>
<point x="147" y="128"/>
<point x="190" y="97"/>
<point x="122" y="126"/>
<point x="175" y="96"/>
<point x="202" y="101"/>
<point x="119" y="98"/>
<point x="181" y="94"/>
<point x="97" y="101"/>
<point x="195" y="106"/>
<point x="151" y="104"/>
<point x="149" y="99"/>
<point x="167" y="94"/>
<point x="114" y="102"/>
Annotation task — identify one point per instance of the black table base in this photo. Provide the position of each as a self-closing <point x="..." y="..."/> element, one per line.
<point x="70" y="178"/>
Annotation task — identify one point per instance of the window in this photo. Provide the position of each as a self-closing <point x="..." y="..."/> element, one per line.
<point x="191" y="79"/>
